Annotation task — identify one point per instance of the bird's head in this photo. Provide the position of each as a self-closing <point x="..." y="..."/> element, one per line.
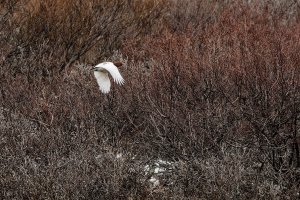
<point x="99" y="68"/>
<point x="95" y="69"/>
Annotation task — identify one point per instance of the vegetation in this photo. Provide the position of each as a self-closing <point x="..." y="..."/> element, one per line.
<point x="212" y="87"/>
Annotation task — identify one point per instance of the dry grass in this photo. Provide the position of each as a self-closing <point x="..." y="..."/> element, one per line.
<point x="212" y="88"/>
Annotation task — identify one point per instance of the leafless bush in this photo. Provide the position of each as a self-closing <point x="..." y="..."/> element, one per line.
<point x="72" y="29"/>
<point x="214" y="93"/>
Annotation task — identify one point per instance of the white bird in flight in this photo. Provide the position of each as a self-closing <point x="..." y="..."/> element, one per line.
<point x="101" y="72"/>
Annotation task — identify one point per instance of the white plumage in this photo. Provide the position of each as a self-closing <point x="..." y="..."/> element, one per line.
<point x="101" y="72"/>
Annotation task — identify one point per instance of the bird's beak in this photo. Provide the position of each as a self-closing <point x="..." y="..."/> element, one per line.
<point x="94" y="69"/>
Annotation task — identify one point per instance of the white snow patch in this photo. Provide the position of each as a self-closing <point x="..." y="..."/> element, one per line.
<point x="157" y="169"/>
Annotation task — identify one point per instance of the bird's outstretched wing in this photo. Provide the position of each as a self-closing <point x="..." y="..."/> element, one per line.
<point x="103" y="81"/>
<point x="114" y="72"/>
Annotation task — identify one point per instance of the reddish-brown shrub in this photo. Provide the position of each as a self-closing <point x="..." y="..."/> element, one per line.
<point x="215" y="92"/>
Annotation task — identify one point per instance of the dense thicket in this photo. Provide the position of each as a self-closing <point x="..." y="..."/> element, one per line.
<point x="211" y="86"/>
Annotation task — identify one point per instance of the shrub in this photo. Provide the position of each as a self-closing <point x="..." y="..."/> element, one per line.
<point x="216" y="93"/>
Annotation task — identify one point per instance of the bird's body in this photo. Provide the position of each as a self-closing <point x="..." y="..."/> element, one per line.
<point x="101" y="72"/>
